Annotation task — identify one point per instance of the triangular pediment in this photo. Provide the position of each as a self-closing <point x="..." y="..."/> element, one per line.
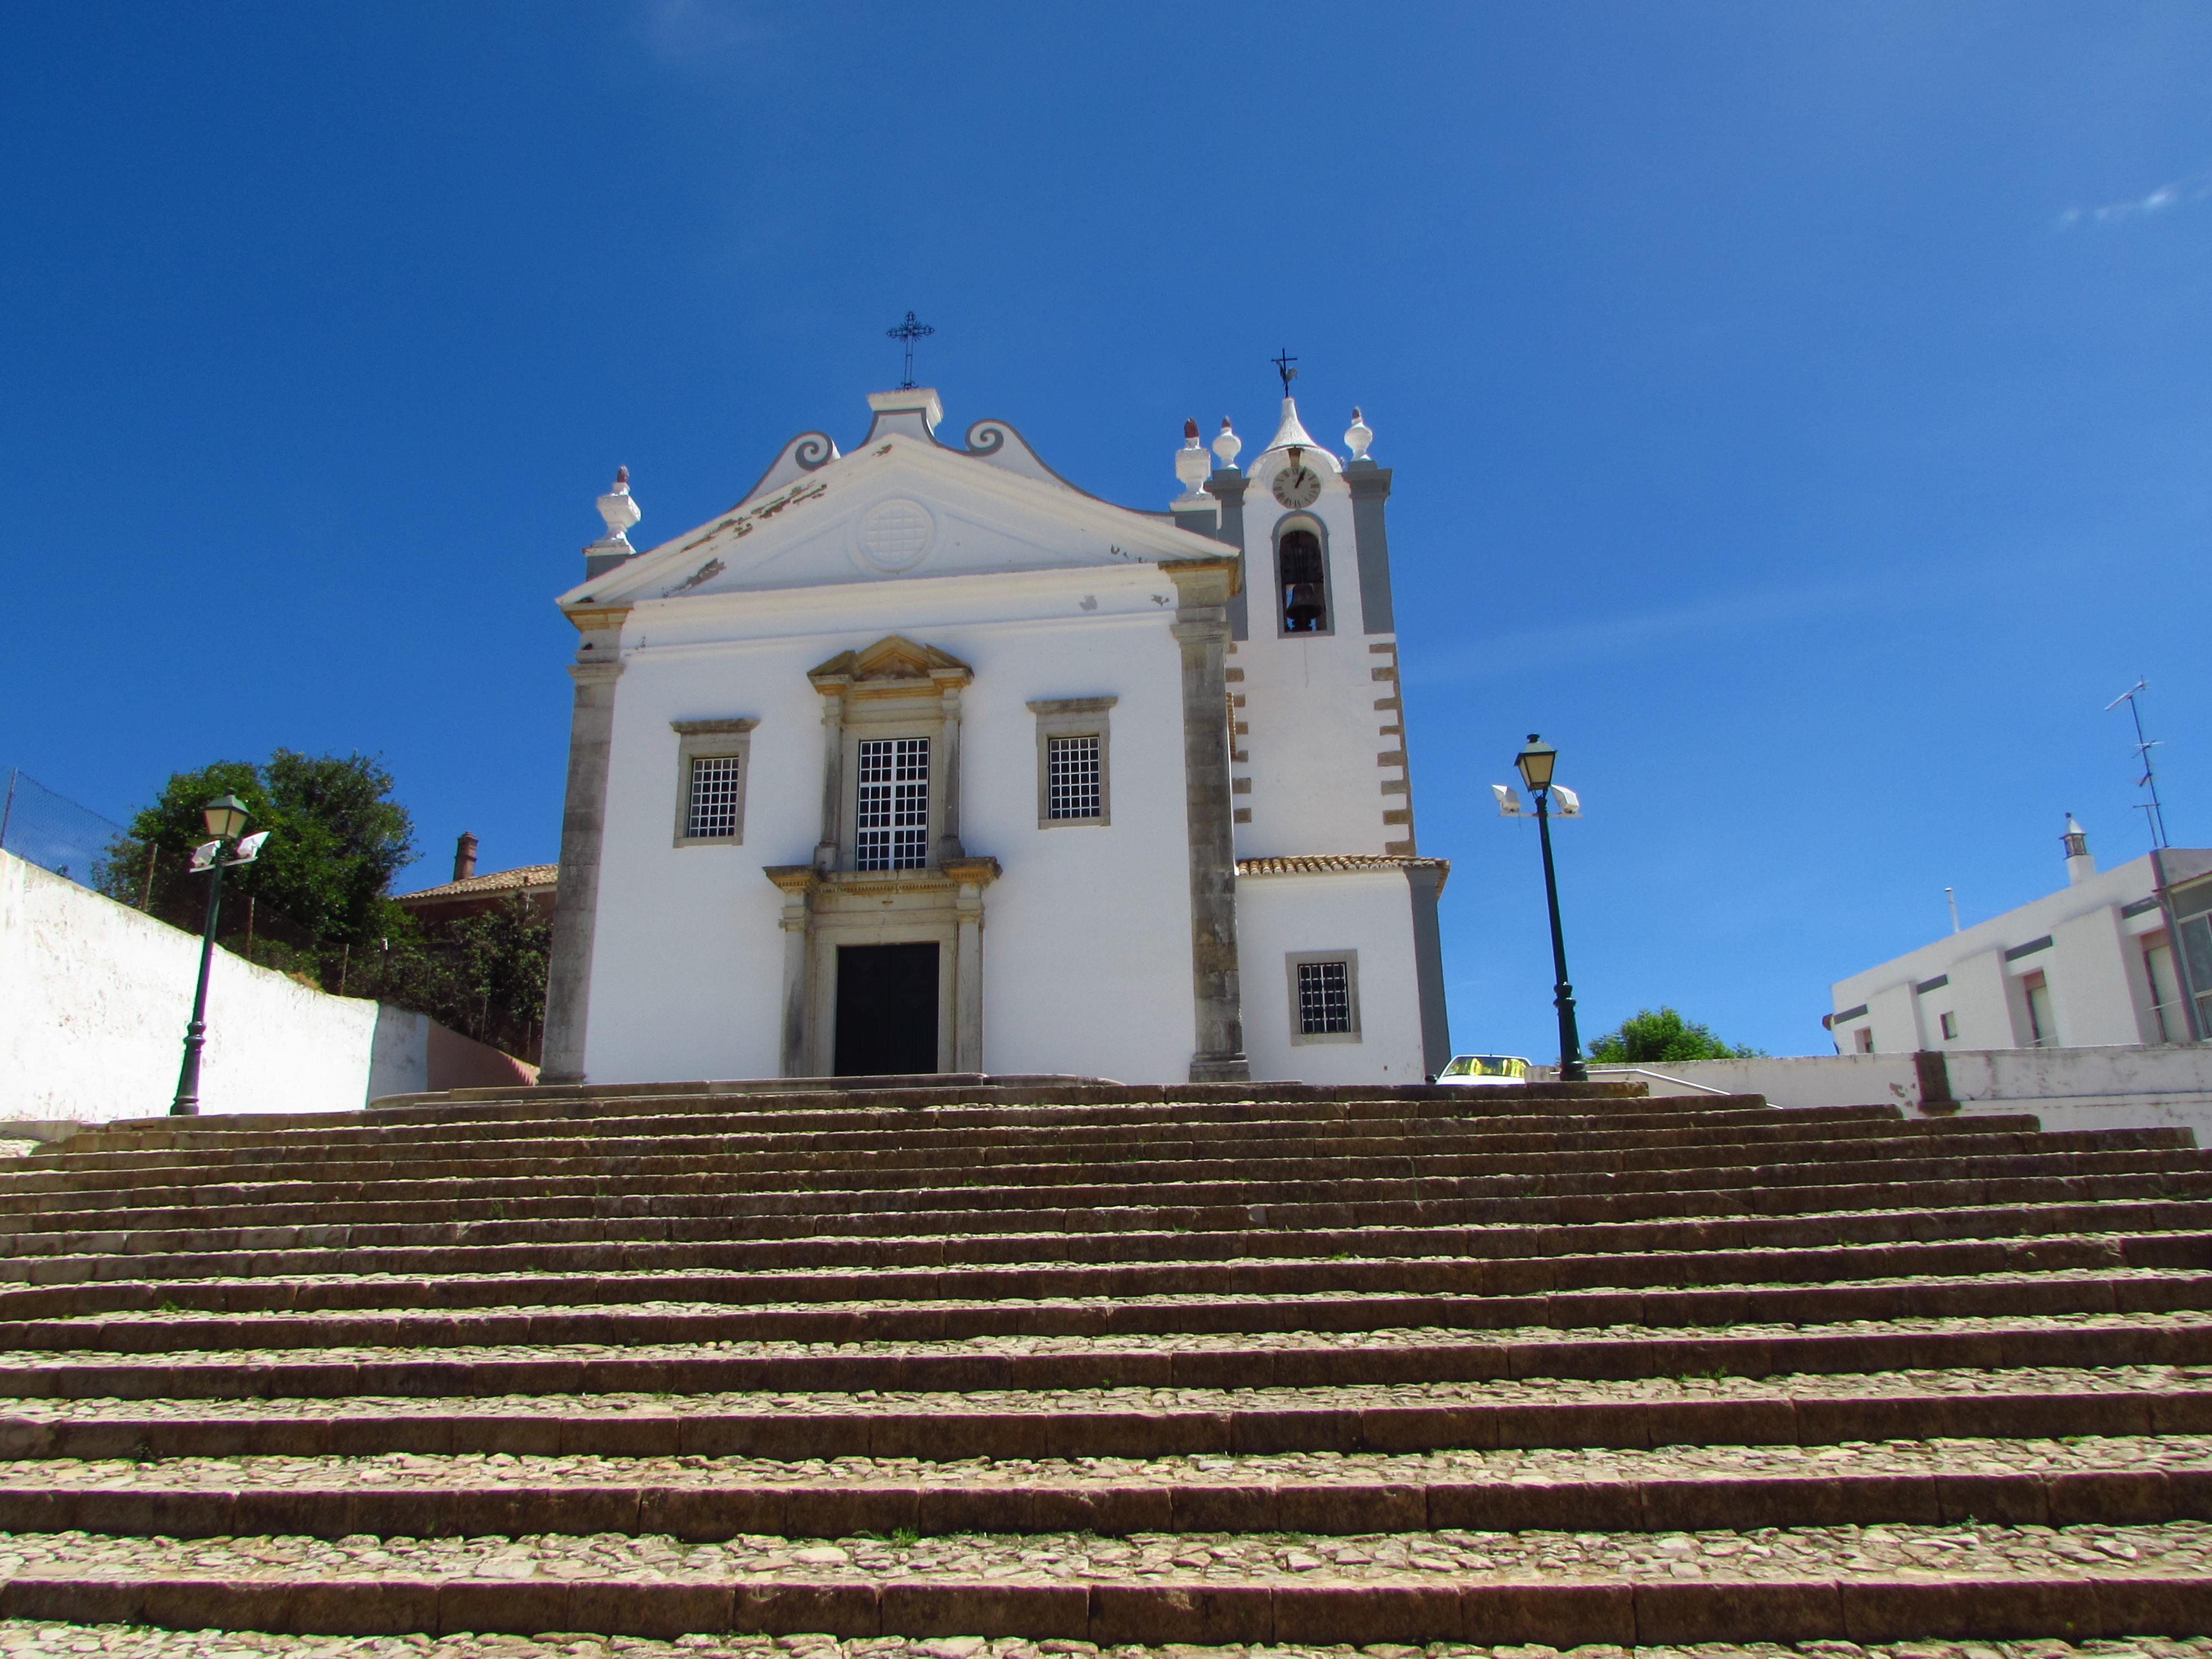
<point x="905" y="505"/>
<point x="891" y="660"/>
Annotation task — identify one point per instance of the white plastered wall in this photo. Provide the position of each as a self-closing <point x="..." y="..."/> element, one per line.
<point x="2100" y="991"/>
<point x="94" y="1000"/>
<point x="1086" y="964"/>
<point x="1369" y="912"/>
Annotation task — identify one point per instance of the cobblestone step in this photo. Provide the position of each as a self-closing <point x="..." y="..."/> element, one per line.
<point x="1459" y="1200"/>
<point x="1301" y="1359"/>
<point x="1089" y="1364"/>
<point x="836" y="1109"/>
<point x="149" y="1148"/>
<point x="1840" y="1583"/>
<point x="139" y="1642"/>
<point x="1501" y="1240"/>
<point x="576" y="1275"/>
<point x="1507" y="1203"/>
<point x="169" y="1331"/>
<point x="1467" y="1148"/>
<point x="1100" y="1133"/>
<point x="1346" y="1419"/>
<point x="2130" y="1480"/>
<point x="1302" y="1178"/>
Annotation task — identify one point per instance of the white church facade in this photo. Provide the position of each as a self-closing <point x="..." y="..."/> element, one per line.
<point x="922" y="759"/>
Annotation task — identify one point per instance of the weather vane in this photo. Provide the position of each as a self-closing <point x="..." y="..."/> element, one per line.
<point x="1282" y="360"/>
<point x="909" y="331"/>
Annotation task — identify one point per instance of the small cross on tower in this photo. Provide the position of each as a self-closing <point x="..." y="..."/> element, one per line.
<point x="1282" y="360"/>
<point x="909" y="331"/>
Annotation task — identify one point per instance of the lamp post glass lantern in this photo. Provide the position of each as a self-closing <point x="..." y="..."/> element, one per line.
<point x="225" y="817"/>
<point x="1536" y="762"/>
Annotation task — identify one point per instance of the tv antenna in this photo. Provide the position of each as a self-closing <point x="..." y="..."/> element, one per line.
<point x="2152" y="809"/>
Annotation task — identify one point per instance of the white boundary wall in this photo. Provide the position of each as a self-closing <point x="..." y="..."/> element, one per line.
<point x="93" y="1001"/>
<point x="2117" y="1088"/>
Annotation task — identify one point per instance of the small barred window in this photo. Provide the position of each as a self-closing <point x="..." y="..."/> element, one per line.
<point x="1072" y="780"/>
<point x="713" y="797"/>
<point x="1324" y="998"/>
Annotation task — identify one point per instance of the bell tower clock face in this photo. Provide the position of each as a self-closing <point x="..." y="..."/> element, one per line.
<point x="1298" y="485"/>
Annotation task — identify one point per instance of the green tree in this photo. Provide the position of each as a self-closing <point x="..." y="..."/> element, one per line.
<point x="338" y="839"/>
<point x="483" y="976"/>
<point x="1661" y="1034"/>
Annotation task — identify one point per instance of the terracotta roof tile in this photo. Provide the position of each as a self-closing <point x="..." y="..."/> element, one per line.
<point x="522" y="879"/>
<point x="1329" y="864"/>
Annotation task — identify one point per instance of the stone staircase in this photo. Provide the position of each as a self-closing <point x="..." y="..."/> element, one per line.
<point x="1084" y="1364"/>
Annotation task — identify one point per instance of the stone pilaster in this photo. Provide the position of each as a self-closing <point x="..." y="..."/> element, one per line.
<point x="1227" y="486"/>
<point x="833" y="770"/>
<point x="798" y="883"/>
<point x="583" y="827"/>
<point x="1203" y="587"/>
<point x="1370" y="488"/>
<point x="949" y="846"/>
<point x="971" y="876"/>
<point x="1426" y="880"/>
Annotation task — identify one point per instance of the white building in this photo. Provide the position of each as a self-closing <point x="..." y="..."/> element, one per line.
<point x="2093" y="964"/>
<point x="920" y="758"/>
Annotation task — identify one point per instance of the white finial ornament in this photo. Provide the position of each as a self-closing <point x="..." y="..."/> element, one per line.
<point x="1191" y="464"/>
<point x="616" y="507"/>
<point x="1228" y="445"/>
<point x="1356" y="436"/>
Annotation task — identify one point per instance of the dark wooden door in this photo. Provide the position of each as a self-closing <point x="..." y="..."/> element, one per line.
<point x="886" y="1009"/>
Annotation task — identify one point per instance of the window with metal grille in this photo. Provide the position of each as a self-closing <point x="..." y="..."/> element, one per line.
<point x="891" y="826"/>
<point x="1071" y="778"/>
<point x="1324" y="998"/>
<point x="1302" y="583"/>
<point x="713" y="797"/>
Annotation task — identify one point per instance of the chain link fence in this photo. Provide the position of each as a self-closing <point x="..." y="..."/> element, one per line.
<point x="43" y="827"/>
<point x="484" y="977"/>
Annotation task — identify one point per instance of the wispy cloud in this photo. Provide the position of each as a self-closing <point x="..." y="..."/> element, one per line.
<point x="703" y="33"/>
<point x="2180" y="192"/>
<point x="1624" y="637"/>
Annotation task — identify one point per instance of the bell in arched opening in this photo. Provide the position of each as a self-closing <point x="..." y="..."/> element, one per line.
<point x="1300" y="580"/>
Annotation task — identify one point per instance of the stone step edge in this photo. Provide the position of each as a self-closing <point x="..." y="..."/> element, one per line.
<point x="2075" y="1147"/>
<point x="1713" y="1501"/>
<point x="2093" y="1293"/>
<point x="762" y="1154"/>
<point x="1131" y="1431"/>
<point x="1854" y="1229"/>
<point x="1589" y="1356"/>
<point x="456" y="1279"/>
<point x="1098" y="1126"/>
<point x="1590" y="1208"/>
<point x="1564" y="1614"/>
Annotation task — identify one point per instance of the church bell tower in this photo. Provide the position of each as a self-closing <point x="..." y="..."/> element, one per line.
<point x="1318" y="752"/>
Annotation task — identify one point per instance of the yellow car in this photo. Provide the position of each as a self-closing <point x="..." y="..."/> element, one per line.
<point x="1483" y="1071"/>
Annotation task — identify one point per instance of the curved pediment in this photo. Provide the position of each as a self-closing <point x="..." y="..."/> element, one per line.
<point x="904" y="507"/>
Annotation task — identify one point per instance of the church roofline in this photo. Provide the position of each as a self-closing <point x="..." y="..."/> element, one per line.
<point x="634" y="581"/>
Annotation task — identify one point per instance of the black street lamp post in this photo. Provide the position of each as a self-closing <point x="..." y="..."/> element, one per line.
<point x="1536" y="762"/>
<point x="224" y="815"/>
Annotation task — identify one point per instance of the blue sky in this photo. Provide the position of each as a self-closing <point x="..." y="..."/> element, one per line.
<point x="1800" y="414"/>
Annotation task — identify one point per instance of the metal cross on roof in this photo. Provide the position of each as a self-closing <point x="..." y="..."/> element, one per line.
<point x="909" y="330"/>
<point x="1282" y="360"/>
